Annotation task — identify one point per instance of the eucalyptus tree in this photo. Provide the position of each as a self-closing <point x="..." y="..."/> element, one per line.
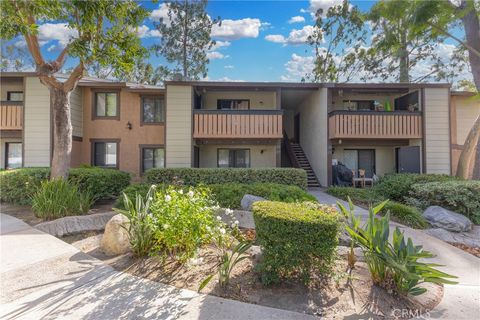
<point x="105" y="33"/>
<point x="185" y="37"/>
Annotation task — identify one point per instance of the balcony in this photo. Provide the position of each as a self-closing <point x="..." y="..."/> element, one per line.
<point x="11" y="115"/>
<point x="237" y="124"/>
<point x="375" y="124"/>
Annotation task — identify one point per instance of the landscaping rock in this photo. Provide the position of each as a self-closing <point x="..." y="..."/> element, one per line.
<point x="75" y="224"/>
<point x="248" y="200"/>
<point x="244" y="218"/>
<point x="115" y="239"/>
<point x="256" y="253"/>
<point x="471" y="238"/>
<point x="442" y="218"/>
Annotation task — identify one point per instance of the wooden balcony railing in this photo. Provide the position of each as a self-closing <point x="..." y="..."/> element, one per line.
<point x="373" y="124"/>
<point x="241" y="124"/>
<point x="11" y="115"/>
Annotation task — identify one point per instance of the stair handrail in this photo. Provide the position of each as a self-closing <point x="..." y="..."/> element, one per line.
<point x="291" y="154"/>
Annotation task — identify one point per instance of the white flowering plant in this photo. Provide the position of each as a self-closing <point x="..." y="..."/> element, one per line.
<point x="184" y="220"/>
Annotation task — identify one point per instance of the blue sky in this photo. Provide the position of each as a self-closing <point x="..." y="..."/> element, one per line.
<point x="258" y="40"/>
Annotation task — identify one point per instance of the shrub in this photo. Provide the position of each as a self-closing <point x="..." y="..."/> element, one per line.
<point x="184" y="221"/>
<point x="58" y="198"/>
<point x="296" y="239"/>
<point x="397" y="186"/>
<point x="407" y="215"/>
<point x="394" y="262"/>
<point x="17" y="186"/>
<point x="131" y="192"/>
<point x="460" y="196"/>
<point x="360" y="196"/>
<point x="140" y="229"/>
<point x="196" y="176"/>
<point x="229" y="195"/>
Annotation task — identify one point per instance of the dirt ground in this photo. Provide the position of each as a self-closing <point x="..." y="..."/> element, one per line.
<point x="344" y="295"/>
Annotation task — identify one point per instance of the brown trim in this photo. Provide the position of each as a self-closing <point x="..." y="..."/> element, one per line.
<point x="11" y="103"/>
<point x="94" y="103"/>
<point x="11" y="134"/>
<point x="232" y="141"/>
<point x="424" y="133"/>
<point x="241" y="111"/>
<point x="374" y="112"/>
<point x="77" y="138"/>
<point x="229" y="149"/>
<point x="149" y="146"/>
<point x="142" y="123"/>
<point x="450" y="130"/>
<point x="92" y="151"/>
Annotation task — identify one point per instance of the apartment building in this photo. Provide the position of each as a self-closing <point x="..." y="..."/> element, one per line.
<point x="380" y="128"/>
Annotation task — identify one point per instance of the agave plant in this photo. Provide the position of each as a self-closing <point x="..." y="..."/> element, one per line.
<point x="397" y="260"/>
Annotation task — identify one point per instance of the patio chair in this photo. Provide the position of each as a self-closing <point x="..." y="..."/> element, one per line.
<point x="355" y="179"/>
<point x="364" y="180"/>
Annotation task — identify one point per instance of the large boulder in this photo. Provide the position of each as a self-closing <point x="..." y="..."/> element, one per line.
<point x="248" y="200"/>
<point x="471" y="238"/>
<point x="442" y="218"/>
<point x="115" y="240"/>
<point x="75" y="224"/>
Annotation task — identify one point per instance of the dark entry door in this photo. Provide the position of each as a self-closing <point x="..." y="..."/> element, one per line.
<point x="296" y="128"/>
<point x="408" y="159"/>
<point x="366" y="161"/>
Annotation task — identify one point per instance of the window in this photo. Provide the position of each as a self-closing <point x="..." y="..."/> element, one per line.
<point x="13" y="155"/>
<point x="105" y="154"/>
<point x="359" y="105"/>
<point x="15" y="95"/>
<point x="236" y="104"/>
<point x="233" y="158"/>
<point x="153" y="110"/>
<point x="152" y="157"/>
<point x="106" y="104"/>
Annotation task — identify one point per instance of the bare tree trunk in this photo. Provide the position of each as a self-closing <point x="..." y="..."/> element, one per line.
<point x="404" y="62"/>
<point x="476" y="165"/>
<point x="62" y="133"/>
<point x="472" y="34"/>
<point x="467" y="156"/>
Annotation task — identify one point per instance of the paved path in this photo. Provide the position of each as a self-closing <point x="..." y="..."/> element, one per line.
<point x="43" y="277"/>
<point x="461" y="301"/>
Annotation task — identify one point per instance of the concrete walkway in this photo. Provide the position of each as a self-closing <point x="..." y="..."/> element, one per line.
<point x="43" y="277"/>
<point x="461" y="301"/>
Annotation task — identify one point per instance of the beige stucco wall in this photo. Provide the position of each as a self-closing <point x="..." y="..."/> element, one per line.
<point x="208" y="155"/>
<point x="37" y="138"/>
<point x="9" y="84"/>
<point x="179" y="148"/>
<point x="76" y="100"/>
<point x="314" y="132"/>
<point x="288" y="122"/>
<point x="130" y="140"/>
<point x="467" y="110"/>
<point x="437" y="132"/>
<point x="384" y="157"/>
<point x="258" y="99"/>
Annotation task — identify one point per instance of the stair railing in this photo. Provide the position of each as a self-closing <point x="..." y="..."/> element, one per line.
<point x="289" y="149"/>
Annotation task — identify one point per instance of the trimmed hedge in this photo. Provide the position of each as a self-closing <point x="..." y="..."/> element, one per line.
<point x="18" y="186"/>
<point x="459" y="196"/>
<point x="195" y="176"/>
<point x="297" y="239"/>
<point x="229" y="195"/>
<point x="407" y="215"/>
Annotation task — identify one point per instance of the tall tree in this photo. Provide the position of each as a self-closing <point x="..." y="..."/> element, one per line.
<point x="185" y="37"/>
<point x="144" y="73"/>
<point x="15" y="58"/>
<point x="105" y="34"/>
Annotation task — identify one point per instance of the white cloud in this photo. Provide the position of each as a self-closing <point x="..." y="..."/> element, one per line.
<point x="56" y="31"/>
<point x="295" y="37"/>
<point x="212" y="55"/>
<point x="227" y="79"/>
<point x="237" y="29"/>
<point x="220" y="44"/>
<point x="161" y="13"/>
<point x="315" y="5"/>
<point x="296" y="19"/>
<point x="229" y="66"/>
<point x="52" y="48"/>
<point x="298" y="67"/>
<point x="144" y="31"/>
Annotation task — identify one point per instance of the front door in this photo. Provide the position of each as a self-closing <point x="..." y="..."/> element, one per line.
<point x="296" y="128"/>
<point x="366" y="161"/>
<point x="408" y="159"/>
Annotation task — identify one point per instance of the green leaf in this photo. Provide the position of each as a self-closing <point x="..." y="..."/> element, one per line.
<point x="204" y="283"/>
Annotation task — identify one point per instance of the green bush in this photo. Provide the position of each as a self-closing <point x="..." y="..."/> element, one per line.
<point x="460" y="196"/>
<point x="365" y="196"/>
<point x="131" y="192"/>
<point x="17" y="186"/>
<point x="196" y="176"/>
<point x="229" y="195"/>
<point x="296" y="238"/>
<point x="397" y="186"/>
<point x="59" y="198"/>
<point x="407" y="215"/>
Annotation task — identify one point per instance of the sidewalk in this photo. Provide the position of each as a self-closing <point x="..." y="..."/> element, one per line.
<point x="43" y="277"/>
<point x="461" y="301"/>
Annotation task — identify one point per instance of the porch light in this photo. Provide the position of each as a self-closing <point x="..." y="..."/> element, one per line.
<point x="129" y="125"/>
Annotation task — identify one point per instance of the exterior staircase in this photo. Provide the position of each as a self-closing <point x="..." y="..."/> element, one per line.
<point x="300" y="160"/>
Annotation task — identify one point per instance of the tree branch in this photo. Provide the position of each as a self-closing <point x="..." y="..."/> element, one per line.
<point x="463" y="43"/>
<point x="74" y="77"/>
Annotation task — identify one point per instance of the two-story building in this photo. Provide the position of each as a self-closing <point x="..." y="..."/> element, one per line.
<point x="380" y="128"/>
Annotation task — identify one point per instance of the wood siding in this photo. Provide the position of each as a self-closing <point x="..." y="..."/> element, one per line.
<point x="379" y="125"/>
<point x="244" y="125"/>
<point x="76" y="101"/>
<point x="11" y="116"/>
<point x="179" y="148"/>
<point x="437" y="130"/>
